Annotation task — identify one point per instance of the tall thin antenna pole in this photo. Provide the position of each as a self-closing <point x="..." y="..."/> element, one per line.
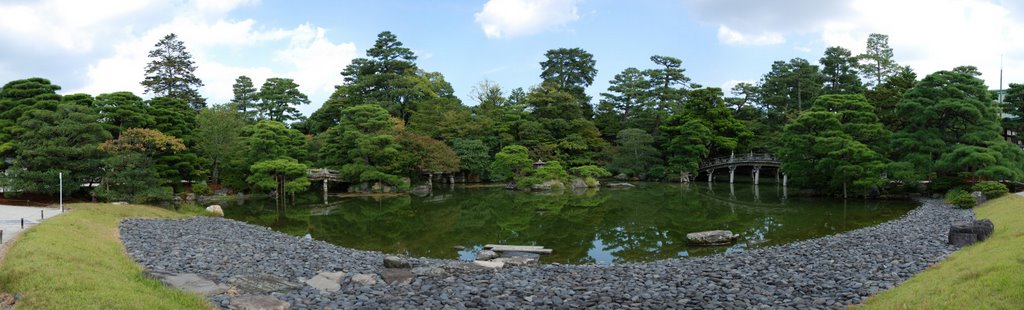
<point x="1001" y="94"/>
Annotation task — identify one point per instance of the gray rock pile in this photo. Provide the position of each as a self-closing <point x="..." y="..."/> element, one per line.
<point x="826" y="272"/>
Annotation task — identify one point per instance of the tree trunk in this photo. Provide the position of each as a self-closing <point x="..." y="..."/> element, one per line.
<point x="215" y="172"/>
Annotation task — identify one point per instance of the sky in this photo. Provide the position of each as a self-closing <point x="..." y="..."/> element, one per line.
<point x="101" y="46"/>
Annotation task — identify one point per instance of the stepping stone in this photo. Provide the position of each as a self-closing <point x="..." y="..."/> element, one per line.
<point x="259" y="302"/>
<point x="517" y="248"/>
<point x="521" y="254"/>
<point x="516" y="261"/>
<point x="397" y="276"/>
<point x="486" y="255"/>
<point x="364" y="279"/>
<point x="430" y="272"/>
<point x="191" y="282"/>
<point x="326" y="282"/>
<point x="489" y="264"/>
<point x="263" y="284"/>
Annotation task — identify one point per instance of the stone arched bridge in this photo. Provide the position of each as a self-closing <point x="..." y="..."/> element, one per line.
<point x="731" y="162"/>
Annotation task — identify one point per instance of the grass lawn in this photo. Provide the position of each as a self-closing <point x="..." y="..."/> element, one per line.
<point x="986" y="275"/>
<point x="77" y="261"/>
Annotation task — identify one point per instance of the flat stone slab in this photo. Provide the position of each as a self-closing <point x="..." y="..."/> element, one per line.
<point x="263" y="284"/>
<point x="258" y="302"/>
<point x="520" y="254"/>
<point x="489" y="264"/>
<point x="437" y="272"/>
<point x="516" y="261"/>
<point x="364" y="279"/>
<point x="327" y="282"/>
<point x="191" y="282"/>
<point x="517" y="248"/>
<point x="397" y="276"/>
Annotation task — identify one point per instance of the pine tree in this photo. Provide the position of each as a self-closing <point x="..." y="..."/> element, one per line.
<point x="246" y="97"/>
<point x="171" y="73"/>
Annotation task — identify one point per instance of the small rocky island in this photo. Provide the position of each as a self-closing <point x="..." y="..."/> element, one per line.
<point x="241" y="265"/>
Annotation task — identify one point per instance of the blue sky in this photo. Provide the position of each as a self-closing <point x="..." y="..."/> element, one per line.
<point x="100" y="46"/>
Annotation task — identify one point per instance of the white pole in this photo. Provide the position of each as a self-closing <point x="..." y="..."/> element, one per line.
<point x="60" y="175"/>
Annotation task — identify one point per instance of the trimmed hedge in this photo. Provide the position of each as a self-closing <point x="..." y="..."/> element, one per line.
<point x="960" y="198"/>
<point x="991" y="189"/>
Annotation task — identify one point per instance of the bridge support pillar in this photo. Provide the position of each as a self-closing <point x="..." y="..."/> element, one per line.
<point x="784" y="179"/>
<point x="711" y="173"/>
<point x="757" y="193"/>
<point x="732" y="173"/>
<point x="757" y="174"/>
<point x="325" y="191"/>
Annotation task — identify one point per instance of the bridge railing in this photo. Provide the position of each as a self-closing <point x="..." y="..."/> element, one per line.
<point x="741" y="158"/>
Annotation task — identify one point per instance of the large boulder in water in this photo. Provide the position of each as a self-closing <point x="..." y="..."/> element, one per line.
<point x="713" y="237"/>
<point x="620" y="185"/>
<point x="421" y="190"/>
<point x="548" y="185"/>
<point x="622" y="177"/>
<point x="578" y="183"/>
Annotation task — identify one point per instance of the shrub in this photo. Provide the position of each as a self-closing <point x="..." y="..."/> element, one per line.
<point x="145" y="195"/>
<point x="991" y="189"/>
<point x="590" y="181"/>
<point x="945" y="183"/>
<point x="590" y="171"/>
<point x="552" y="171"/>
<point x="960" y="198"/>
<point x="201" y="189"/>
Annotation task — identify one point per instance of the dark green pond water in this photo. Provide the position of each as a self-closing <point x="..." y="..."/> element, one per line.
<point x="645" y="223"/>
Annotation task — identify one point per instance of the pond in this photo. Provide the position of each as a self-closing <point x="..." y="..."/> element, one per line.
<point x="646" y="223"/>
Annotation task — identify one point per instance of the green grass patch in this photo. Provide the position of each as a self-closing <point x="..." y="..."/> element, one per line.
<point x="986" y="275"/>
<point x="76" y="261"/>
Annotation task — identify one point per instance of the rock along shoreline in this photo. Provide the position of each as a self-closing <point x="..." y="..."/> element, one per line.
<point x="826" y="272"/>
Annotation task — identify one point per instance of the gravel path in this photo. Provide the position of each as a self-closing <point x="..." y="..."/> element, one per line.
<point x="827" y="272"/>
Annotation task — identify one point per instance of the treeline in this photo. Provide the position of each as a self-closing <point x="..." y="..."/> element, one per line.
<point x="854" y="123"/>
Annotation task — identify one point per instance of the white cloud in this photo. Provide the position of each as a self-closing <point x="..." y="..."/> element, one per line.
<point x="317" y="62"/>
<point x="728" y="85"/>
<point x="105" y="50"/>
<point x="513" y="18"/>
<point x="940" y="35"/>
<point x="733" y="37"/>
<point x="928" y="35"/>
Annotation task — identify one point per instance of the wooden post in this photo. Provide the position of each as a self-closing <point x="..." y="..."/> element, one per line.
<point x="784" y="179"/>
<point x="325" y="190"/>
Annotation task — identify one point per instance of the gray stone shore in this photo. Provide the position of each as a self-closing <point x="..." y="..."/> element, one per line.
<point x="827" y="272"/>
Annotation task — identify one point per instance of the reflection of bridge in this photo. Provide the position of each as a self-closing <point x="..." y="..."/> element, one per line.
<point x="731" y="162"/>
